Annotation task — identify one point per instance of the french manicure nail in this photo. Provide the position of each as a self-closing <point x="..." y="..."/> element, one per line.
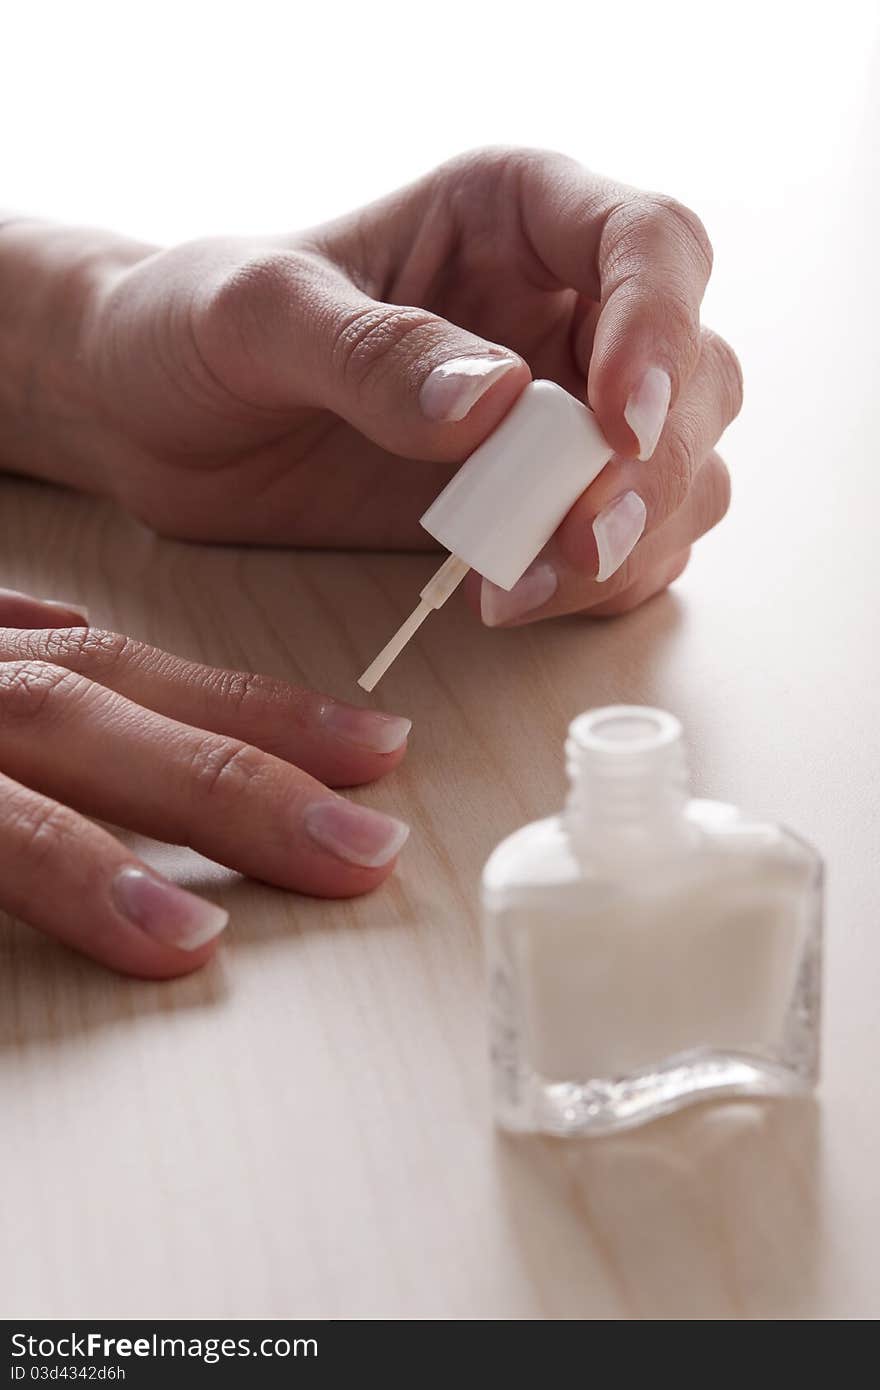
<point x="355" y="833"/>
<point x="617" y="528"/>
<point x="170" y="915"/>
<point x="453" y="388"/>
<point x="536" y="587"/>
<point x="365" y="728"/>
<point x="646" y="409"/>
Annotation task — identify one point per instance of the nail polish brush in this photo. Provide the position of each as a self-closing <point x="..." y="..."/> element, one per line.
<point x="506" y="500"/>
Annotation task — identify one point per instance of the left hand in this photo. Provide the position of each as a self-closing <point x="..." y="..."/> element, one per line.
<point x="238" y="766"/>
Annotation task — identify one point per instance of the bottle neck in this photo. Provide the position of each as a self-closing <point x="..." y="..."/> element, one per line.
<point x="628" y="783"/>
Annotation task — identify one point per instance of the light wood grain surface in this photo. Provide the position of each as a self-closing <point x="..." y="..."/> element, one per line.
<point x="302" y="1129"/>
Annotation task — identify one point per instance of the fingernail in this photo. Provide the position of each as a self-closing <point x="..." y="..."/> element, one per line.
<point x="355" y="833"/>
<point x="74" y="608"/>
<point x="165" y="912"/>
<point x="646" y="410"/>
<point x="536" y="587"/>
<point x="365" y="728"/>
<point x="69" y="608"/>
<point x="617" y="528"/>
<point x="453" y="388"/>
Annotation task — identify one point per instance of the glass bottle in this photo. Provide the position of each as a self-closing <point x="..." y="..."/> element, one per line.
<point x="646" y="950"/>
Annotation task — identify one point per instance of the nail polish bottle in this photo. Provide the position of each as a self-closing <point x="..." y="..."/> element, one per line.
<point x="646" y="950"/>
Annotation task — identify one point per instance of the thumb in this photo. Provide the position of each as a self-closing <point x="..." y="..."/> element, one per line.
<point x="293" y="330"/>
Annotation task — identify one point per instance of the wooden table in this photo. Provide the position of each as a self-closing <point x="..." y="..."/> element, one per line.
<point x="302" y="1128"/>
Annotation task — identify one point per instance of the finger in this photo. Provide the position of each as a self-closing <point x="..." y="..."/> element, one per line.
<point x="558" y="588"/>
<point x="646" y="259"/>
<point x="289" y="326"/>
<point x="647" y="586"/>
<point x="341" y="744"/>
<point x="93" y="749"/>
<point x="21" y="610"/>
<point x="629" y="497"/>
<point x="74" y="881"/>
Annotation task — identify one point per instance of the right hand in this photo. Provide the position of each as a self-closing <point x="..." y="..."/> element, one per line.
<point x="93" y="723"/>
<point x="320" y="387"/>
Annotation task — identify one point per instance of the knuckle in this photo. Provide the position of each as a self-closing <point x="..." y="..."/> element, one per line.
<point x="265" y="709"/>
<point x="235" y="688"/>
<point x="495" y="162"/>
<point x="87" y="649"/>
<point x="226" y="325"/>
<point x="640" y="226"/>
<point x="480" y="185"/>
<point x="680" y="322"/>
<point x="224" y="766"/>
<point x="727" y="371"/>
<point x="364" y="343"/>
<point x="684" y="225"/>
<point x="253" y="282"/>
<point x="493" y="181"/>
<point x="29" y="688"/>
<point x="243" y="691"/>
<point x="41" y="828"/>
<point x="680" y="464"/>
<point x="478" y="161"/>
<point x="490" y="196"/>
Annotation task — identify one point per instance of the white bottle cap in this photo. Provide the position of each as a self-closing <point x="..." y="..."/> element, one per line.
<point x="508" y="498"/>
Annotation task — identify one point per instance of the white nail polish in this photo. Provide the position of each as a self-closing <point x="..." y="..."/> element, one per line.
<point x="453" y="389"/>
<point x="617" y="529"/>
<point x="646" y="410"/>
<point x="537" y="587"/>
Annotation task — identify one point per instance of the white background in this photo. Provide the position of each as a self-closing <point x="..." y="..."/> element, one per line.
<point x="167" y="120"/>
<point x="171" y="120"/>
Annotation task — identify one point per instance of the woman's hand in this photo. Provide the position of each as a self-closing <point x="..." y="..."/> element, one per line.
<point x="93" y="724"/>
<point x="320" y="389"/>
